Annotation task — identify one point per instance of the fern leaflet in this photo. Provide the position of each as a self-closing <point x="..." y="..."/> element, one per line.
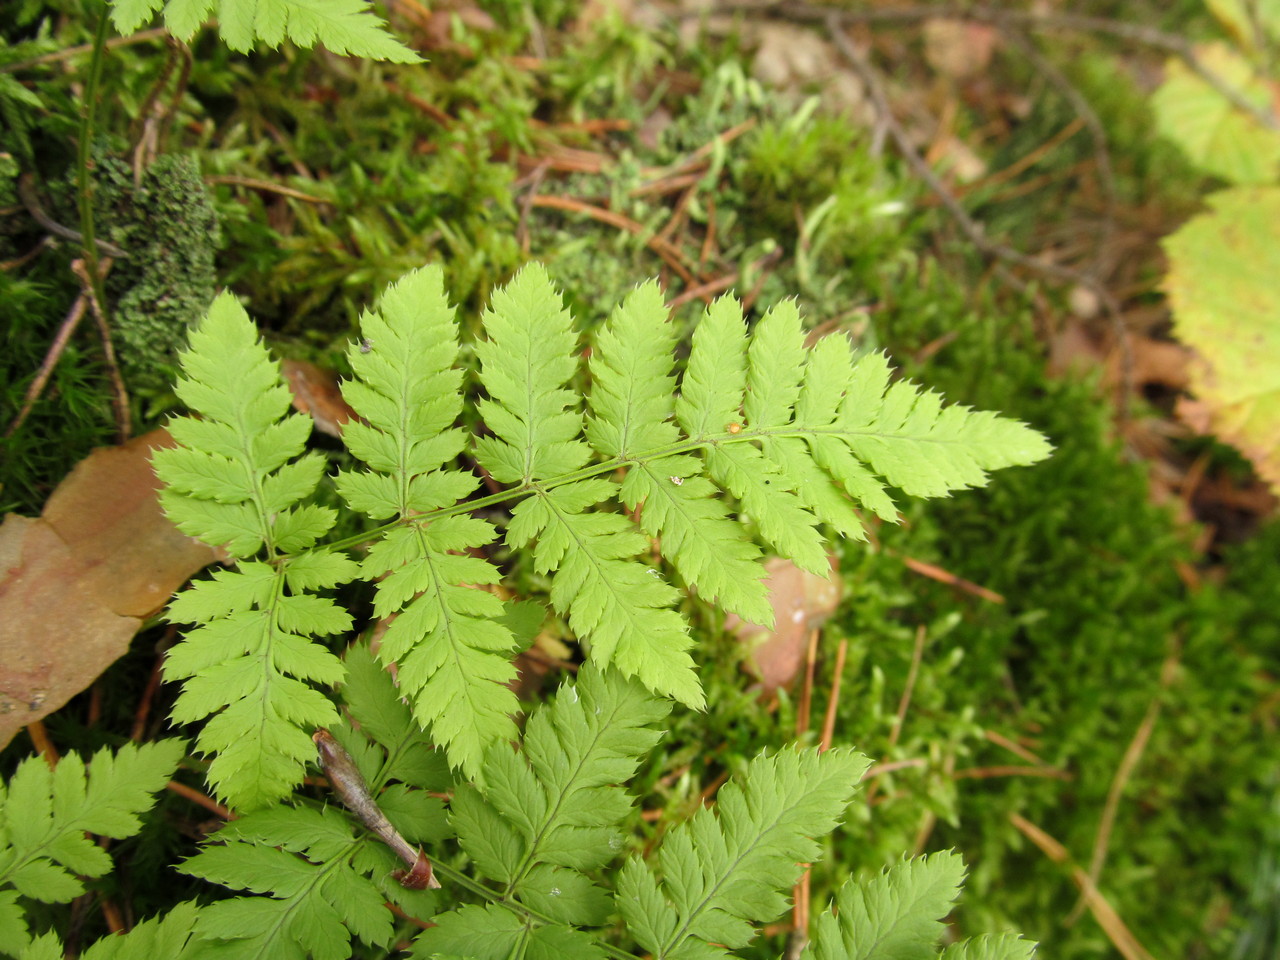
<point x="45" y="815"/>
<point x="347" y="27"/>
<point x="169" y="936"/>
<point x="721" y="871"/>
<point x="230" y="483"/>
<point x="898" y="913"/>
<point x="990" y="946"/>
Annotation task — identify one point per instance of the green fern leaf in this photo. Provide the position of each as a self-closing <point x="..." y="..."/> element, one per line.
<point x="722" y="872"/>
<point x="632" y="404"/>
<point x="375" y="706"/>
<point x="892" y="916"/>
<point x="710" y="407"/>
<point x="990" y="946"/>
<point x="492" y="933"/>
<point x="563" y="795"/>
<point x="169" y="936"/>
<point x="319" y="882"/>
<point x="302" y="859"/>
<point x="347" y="27"/>
<point x="621" y="607"/>
<point x="448" y="638"/>
<point x="551" y="812"/>
<point x="525" y="366"/>
<point x="613" y="602"/>
<point x="618" y="605"/>
<point x="45" y="816"/>
<point x="232" y="481"/>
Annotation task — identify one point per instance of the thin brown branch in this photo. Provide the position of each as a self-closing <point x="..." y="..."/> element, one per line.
<point x="968" y="226"/>
<point x="196" y="797"/>
<point x="119" y="395"/>
<point x="1124" y="773"/>
<point x="950" y="579"/>
<point x="904" y="702"/>
<point x="989" y="773"/>
<point x="829" y="721"/>
<point x="51" y="358"/>
<point x="879" y="769"/>
<point x="40" y="740"/>
<point x="1013" y="747"/>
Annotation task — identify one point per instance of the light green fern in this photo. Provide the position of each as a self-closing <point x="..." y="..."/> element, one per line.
<point x="344" y="26"/>
<point x="760" y="438"/>
<point x="543" y="829"/>
<point x="233" y="481"/>
<point x="723" y="872"/>
<point x="45" y="816"/>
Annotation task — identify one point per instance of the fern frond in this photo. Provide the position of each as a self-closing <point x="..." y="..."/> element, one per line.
<point x="896" y="914"/>
<point x="45" y="815"/>
<point x="551" y="812"/>
<point x="492" y="933"/>
<point x="796" y="438"/>
<point x="230" y="482"/>
<point x="347" y="27"/>
<point x="169" y="936"/>
<point x="632" y="404"/>
<point x="722" y="871"/>
<point x="452" y="648"/>
<point x="899" y="913"/>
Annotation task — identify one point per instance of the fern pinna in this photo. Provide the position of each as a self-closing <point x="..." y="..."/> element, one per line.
<point x="762" y="437"/>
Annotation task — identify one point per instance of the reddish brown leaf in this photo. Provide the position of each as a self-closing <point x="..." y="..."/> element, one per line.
<point x="76" y="583"/>
<point x="801" y="602"/>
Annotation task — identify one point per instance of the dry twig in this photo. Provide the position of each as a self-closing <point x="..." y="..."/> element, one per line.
<point x="119" y="395"/>
<point x="1119" y="934"/>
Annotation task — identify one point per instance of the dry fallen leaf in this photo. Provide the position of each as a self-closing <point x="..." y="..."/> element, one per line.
<point x="315" y="391"/>
<point x="801" y="602"/>
<point x="76" y="583"/>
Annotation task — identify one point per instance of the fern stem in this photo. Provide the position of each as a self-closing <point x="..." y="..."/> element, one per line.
<point x="585" y="473"/>
<point x="84" y="161"/>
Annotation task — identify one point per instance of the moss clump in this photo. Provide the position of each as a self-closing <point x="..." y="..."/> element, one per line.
<point x="167" y="224"/>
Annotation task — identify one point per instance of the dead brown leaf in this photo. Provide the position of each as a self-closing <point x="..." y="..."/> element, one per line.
<point x="315" y="391"/>
<point x="801" y="602"/>
<point x="76" y="583"/>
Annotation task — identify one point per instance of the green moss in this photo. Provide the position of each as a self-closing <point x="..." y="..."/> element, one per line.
<point x="168" y="227"/>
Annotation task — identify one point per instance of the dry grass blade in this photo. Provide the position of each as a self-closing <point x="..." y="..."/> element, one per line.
<point x="1121" y="936"/>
